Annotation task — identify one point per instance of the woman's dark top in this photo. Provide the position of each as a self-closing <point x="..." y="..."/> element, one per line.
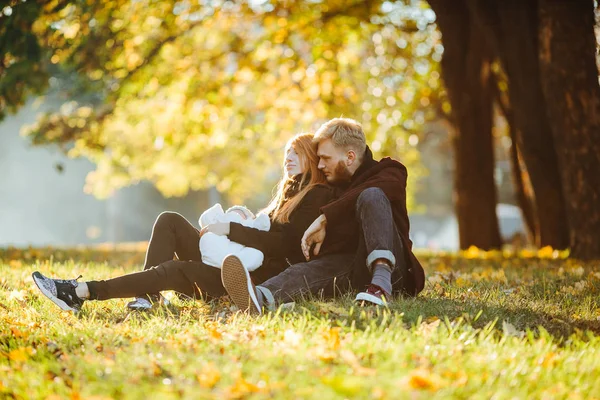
<point x="281" y="244"/>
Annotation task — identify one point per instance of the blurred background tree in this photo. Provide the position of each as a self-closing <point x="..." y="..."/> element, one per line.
<point x="195" y="94"/>
<point x="546" y="51"/>
<point x="191" y="94"/>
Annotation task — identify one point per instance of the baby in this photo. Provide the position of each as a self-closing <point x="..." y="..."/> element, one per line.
<point x="214" y="248"/>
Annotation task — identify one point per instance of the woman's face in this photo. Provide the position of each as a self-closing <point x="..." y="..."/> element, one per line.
<point x="293" y="165"/>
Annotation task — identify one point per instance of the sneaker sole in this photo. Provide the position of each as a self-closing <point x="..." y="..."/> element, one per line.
<point x="369" y="298"/>
<point x="140" y="308"/>
<point x="238" y="284"/>
<point x="37" y="276"/>
<point x="134" y="305"/>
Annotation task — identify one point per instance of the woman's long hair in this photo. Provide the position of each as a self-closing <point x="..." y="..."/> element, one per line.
<point x="290" y="192"/>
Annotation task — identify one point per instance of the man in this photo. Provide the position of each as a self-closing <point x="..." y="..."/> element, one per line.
<point x="361" y="239"/>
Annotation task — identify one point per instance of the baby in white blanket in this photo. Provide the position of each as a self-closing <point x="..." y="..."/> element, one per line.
<point x="214" y="248"/>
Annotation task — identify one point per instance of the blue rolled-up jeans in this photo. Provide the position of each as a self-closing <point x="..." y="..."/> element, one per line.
<point x="338" y="273"/>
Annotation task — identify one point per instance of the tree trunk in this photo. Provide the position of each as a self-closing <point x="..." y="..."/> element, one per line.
<point x="511" y="26"/>
<point x="466" y="73"/>
<point x="523" y="191"/>
<point x="521" y="181"/>
<point x="570" y="83"/>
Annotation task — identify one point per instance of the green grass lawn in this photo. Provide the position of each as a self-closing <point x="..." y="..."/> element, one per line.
<point x="485" y="326"/>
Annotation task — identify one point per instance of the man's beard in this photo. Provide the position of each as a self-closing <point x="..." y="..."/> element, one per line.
<point x="341" y="174"/>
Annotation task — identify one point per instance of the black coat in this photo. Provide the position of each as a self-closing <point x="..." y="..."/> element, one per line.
<point x="281" y="244"/>
<point x="342" y="227"/>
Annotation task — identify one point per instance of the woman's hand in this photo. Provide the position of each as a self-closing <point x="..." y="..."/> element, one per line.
<point x="219" y="228"/>
<point x="315" y="234"/>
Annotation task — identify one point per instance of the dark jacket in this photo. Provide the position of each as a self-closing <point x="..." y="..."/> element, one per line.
<point x="281" y="244"/>
<point x="342" y="227"/>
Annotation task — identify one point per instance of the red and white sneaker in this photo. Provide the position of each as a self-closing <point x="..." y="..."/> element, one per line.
<point x="373" y="295"/>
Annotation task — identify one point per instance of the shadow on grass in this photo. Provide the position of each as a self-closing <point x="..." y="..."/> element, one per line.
<point x="342" y="311"/>
<point x="519" y="315"/>
<point x="476" y="313"/>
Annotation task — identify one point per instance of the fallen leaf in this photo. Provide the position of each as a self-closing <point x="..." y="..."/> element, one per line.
<point x="20" y="354"/>
<point x="423" y="379"/>
<point x="242" y="388"/>
<point x="350" y="358"/>
<point x="209" y="376"/>
<point x="510" y="330"/>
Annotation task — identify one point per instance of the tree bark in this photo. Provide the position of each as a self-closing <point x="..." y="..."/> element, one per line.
<point x="511" y="27"/>
<point x="523" y="192"/>
<point x="466" y="72"/>
<point x="569" y="78"/>
<point x="521" y="180"/>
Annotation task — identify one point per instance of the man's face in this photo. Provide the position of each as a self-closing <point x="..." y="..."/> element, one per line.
<point x="332" y="161"/>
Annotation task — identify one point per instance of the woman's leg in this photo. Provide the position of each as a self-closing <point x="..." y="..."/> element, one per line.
<point x="192" y="278"/>
<point x="172" y="234"/>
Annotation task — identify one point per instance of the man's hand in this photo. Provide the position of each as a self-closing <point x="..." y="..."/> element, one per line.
<point x="315" y="234"/>
<point x="219" y="228"/>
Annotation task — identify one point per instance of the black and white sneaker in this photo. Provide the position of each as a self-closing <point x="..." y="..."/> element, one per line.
<point x="61" y="292"/>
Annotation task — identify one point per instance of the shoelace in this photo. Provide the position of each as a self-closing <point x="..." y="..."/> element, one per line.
<point x="72" y="282"/>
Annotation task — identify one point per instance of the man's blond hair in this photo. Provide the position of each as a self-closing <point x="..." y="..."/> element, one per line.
<point x="345" y="133"/>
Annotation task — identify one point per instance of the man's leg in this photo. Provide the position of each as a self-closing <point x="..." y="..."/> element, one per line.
<point x="326" y="275"/>
<point x="380" y="245"/>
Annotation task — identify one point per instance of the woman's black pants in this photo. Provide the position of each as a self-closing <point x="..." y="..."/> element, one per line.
<point x="172" y="236"/>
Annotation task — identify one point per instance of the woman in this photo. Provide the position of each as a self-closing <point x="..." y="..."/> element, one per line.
<point x="300" y="194"/>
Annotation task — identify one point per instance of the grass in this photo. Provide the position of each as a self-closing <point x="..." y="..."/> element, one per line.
<point x="487" y="325"/>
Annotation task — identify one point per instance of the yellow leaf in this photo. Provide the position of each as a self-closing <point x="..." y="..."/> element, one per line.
<point x="214" y="333"/>
<point x="546" y="252"/>
<point x="242" y="388"/>
<point x="209" y="376"/>
<point x="16" y="333"/>
<point x="20" y="354"/>
<point x="423" y="379"/>
<point x="324" y="354"/>
<point x="332" y="336"/>
<point x="548" y="360"/>
<point x="472" y="252"/>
